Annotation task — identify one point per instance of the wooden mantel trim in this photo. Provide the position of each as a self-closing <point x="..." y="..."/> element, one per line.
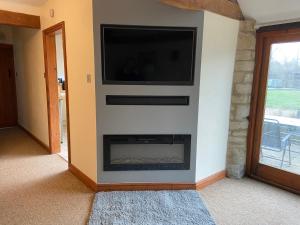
<point x="19" y="19"/>
<point x="223" y="7"/>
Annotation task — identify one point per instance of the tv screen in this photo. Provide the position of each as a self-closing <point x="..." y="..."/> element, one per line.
<point x="148" y="55"/>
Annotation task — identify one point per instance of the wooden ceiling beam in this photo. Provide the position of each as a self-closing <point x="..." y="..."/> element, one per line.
<point x="227" y="8"/>
<point x="19" y="19"/>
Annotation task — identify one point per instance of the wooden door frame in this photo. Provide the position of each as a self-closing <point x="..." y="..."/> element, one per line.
<point x="264" y="37"/>
<point x="47" y="32"/>
<point x="10" y="46"/>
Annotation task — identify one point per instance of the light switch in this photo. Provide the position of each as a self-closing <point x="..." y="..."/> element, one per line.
<point x="88" y="78"/>
<point x="51" y="12"/>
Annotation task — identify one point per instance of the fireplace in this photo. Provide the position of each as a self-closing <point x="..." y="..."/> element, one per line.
<point x="146" y="152"/>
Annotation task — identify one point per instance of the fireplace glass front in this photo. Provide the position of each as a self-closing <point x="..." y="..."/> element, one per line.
<point x="146" y="152"/>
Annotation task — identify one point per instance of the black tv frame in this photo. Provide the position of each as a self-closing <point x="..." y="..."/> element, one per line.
<point x="165" y="83"/>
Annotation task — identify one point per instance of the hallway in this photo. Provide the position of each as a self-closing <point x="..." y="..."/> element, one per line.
<point x="42" y="191"/>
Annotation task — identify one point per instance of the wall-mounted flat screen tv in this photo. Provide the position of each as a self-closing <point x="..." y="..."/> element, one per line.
<point x="142" y="55"/>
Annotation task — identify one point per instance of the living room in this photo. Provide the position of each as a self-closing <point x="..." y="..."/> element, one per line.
<point x="163" y="98"/>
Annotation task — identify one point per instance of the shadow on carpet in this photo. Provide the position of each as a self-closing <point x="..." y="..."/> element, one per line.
<point x="150" y="208"/>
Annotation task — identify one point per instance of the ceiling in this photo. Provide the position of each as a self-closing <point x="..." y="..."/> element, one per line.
<point x="263" y="11"/>
<point x="29" y="2"/>
<point x="271" y="11"/>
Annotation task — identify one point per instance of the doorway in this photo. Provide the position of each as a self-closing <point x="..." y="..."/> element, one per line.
<point x="57" y="90"/>
<point x="8" y="98"/>
<point x="274" y="133"/>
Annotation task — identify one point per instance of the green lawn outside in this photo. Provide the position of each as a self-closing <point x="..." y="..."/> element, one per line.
<point x="283" y="99"/>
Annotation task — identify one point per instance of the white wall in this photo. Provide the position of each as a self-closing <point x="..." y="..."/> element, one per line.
<point x="145" y="119"/>
<point x="19" y="7"/>
<point x="217" y="66"/>
<point x="30" y="83"/>
<point x="59" y="56"/>
<point x="78" y="15"/>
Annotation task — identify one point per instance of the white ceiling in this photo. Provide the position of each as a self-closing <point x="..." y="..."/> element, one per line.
<point x="271" y="11"/>
<point x="263" y="11"/>
<point x="29" y="2"/>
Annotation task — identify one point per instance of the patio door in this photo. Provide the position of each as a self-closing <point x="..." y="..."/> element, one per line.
<point x="274" y="132"/>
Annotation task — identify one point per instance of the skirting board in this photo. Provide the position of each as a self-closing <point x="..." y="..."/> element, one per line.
<point x="210" y="180"/>
<point x="83" y="178"/>
<point x="146" y="186"/>
<point x="34" y="137"/>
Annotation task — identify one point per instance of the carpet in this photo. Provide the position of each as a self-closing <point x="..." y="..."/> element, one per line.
<point x="149" y="208"/>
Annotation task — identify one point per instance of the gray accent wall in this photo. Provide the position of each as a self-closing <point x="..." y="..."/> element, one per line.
<point x="145" y="119"/>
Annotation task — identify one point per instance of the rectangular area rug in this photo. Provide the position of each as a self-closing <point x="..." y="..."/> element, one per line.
<point x="150" y="208"/>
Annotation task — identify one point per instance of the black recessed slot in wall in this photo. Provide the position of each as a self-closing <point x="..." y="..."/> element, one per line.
<point x="146" y="100"/>
<point x="146" y="152"/>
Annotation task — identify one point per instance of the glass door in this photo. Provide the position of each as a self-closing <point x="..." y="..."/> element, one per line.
<point x="276" y="137"/>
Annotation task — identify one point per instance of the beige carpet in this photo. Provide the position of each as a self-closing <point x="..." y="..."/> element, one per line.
<point x="37" y="189"/>
<point x="248" y="202"/>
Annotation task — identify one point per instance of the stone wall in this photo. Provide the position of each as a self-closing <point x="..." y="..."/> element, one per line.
<point x="240" y="102"/>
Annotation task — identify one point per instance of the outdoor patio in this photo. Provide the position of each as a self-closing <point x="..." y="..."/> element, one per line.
<point x="277" y="129"/>
<point x="272" y="158"/>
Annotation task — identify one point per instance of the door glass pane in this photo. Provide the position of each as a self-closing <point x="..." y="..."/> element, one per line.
<point x="280" y="146"/>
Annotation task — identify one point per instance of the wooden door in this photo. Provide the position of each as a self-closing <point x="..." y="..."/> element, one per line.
<point x="8" y="102"/>
<point x="52" y="91"/>
<point x="274" y="133"/>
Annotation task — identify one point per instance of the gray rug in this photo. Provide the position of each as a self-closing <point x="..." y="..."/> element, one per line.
<point x="150" y="208"/>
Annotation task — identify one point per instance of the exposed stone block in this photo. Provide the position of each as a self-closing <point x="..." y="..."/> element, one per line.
<point x="247" y="41"/>
<point x="232" y="108"/>
<point x="247" y="25"/>
<point x="248" y="78"/>
<point x="242" y="112"/>
<point x="236" y="171"/>
<point x="239" y="77"/>
<point x="254" y="55"/>
<point x="242" y="99"/>
<point x="245" y="55"/>
<point x="243" y="89"/>
<point x="241" y="133"/>
<point x="239" y="125"/>
<point x="239" y="154"/>
<point x="237" y="140"/>
<point x="246" y="66"/>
